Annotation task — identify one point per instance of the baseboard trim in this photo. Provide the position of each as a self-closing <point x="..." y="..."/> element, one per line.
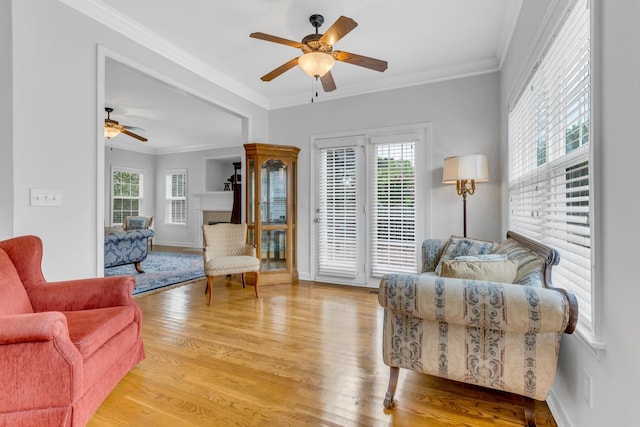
<point x="178" y="244"/>
<point x="557" y="410"/>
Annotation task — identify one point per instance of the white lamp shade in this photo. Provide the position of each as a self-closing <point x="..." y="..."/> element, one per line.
<point x="470" y="167"/>
<point x="110" y="132"/>
<point x="316" y="64"/>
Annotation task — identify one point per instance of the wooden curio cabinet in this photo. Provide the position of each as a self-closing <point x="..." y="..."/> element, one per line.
<point x="272" y="209"/>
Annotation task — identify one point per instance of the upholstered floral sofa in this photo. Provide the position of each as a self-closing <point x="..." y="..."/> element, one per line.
<point x="482" y="313"/>
<point x="126" y="247"/>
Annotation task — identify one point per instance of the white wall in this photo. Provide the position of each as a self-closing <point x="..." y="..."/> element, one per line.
<point x="55" y="88"/>
<point x="464" y="118"/>
<point x="195" y="164"/>
<point x="202" y="166"/>
<point x="615" y="372"/>
<point x="6" y="123"/>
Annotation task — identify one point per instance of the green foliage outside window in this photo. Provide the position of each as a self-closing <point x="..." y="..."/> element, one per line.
<point x="127" y="194"/>
<point x="395" y="182"/>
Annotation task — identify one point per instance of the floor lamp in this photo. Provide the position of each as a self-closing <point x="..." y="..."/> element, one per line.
<point x="465" y="171"/>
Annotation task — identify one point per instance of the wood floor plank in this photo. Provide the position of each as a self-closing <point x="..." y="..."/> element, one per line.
<point x="307" y="354"/>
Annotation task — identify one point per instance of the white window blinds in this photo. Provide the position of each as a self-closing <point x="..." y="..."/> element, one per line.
<point x="392" y="209"/>
<point x="127" y="190"/>
<point x="337" y="225"/>
<point x="176" y="196"/>
<point x="550" y="174"/>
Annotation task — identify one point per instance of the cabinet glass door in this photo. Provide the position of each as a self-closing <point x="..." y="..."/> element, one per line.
<point x="273" y="187"/>
<point x="273" y="252"/>
<point x="251" y="193"/>
<point x="273" y="215"/>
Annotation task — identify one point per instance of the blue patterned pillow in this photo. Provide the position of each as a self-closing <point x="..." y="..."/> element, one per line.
<point x="530" y="267"/>
<point x="460" y="246"/>
<point x="136" y="223"/>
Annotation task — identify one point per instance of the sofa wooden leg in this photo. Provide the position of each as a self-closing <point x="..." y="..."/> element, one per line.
<point x="243" y="285"/>
<point x="529" y="411"/>
<point x="391" y="390"/>
<point x="138" y="266"/>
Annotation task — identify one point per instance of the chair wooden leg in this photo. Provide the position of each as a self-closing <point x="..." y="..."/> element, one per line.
<point x="209" y="289"/>
<point x="243" y="281"/>
<point x="257" y="280"/>
<point x="530" y="411"/>
<point x="391" y="390"/>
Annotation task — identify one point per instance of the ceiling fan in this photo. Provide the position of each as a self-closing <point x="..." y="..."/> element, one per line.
<point x="318" y="55"/>
<point x="113" y="128"/>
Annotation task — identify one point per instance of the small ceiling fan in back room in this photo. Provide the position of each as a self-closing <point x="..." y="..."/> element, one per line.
<point x="113" y="128"/>
<point x="318" y="55"/>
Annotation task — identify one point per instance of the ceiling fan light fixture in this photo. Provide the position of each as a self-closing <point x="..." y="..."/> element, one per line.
<point x="110" y="132"/>
<point x="316" y="64"/>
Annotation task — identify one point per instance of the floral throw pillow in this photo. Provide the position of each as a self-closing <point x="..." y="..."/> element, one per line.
<point x="461" y="246"/>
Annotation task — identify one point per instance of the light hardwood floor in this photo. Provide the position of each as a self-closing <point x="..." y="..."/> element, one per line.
<point x="307" y="354"/>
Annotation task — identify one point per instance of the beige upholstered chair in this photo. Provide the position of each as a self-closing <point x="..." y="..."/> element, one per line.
<point x="226" y="251"/>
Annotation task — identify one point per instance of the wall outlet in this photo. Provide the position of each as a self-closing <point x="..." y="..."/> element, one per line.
<point x="587" y="388"/>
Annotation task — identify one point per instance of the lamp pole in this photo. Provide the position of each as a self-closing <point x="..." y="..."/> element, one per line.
<point x="465" y="187"/>
<point x="465" y="171"/>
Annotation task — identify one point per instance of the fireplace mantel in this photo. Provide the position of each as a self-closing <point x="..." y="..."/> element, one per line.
<point x="212" y="205"/>
<point x="214" y="201"/>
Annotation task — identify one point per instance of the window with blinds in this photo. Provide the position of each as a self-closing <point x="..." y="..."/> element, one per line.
<point x="392" y="209"/>
<point x="550" y="174"/>
<point x="126" y="194"/>
<point x="338" y="228"/>
<point x="176" y="197"/>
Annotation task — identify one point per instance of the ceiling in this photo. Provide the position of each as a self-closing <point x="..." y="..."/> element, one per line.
<point x="170" y="118"/>
<point x="422" y="40"/>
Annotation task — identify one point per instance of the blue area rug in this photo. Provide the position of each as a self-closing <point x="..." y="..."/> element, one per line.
<point x="161" y="269"/>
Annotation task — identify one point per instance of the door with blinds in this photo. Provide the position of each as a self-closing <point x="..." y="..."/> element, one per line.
<point x="365" y="208"/>
<point x="339" y="219"/>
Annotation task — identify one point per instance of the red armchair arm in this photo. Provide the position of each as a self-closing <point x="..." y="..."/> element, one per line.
<point x="35" y="349"/>
<point x="83" y="294"/>
<point x="19" y="328"/>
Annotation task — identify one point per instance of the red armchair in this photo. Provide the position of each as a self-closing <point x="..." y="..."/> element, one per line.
<point x="63" y="345"/>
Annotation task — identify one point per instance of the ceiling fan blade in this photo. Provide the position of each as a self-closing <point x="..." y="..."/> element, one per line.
<point x="133" y="135"/>
<point x="134" y="128"/>
<point x="362" y="61"/>
<point x="327" y="82"/>
<point x="275" y="39"/>
<point x="281" y="69"/>
<point x="338" y="30"/>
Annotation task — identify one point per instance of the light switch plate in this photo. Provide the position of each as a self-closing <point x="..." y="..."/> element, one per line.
<point x="45" y="197"/>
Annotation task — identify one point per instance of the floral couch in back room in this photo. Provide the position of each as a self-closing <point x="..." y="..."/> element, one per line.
<point x="126" y="247"/>
<point x="482" y="313"/>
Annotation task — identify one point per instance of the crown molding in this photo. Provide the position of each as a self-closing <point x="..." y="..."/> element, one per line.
<point x="144" y="148"/>
<point x="133" y="30"/>
<point x="511" y="20"/>
<point x="423" y="77"/>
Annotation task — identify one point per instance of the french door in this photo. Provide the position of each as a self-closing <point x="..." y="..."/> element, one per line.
<point x="365" y="208"/>
<point x="339" y="219"/>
